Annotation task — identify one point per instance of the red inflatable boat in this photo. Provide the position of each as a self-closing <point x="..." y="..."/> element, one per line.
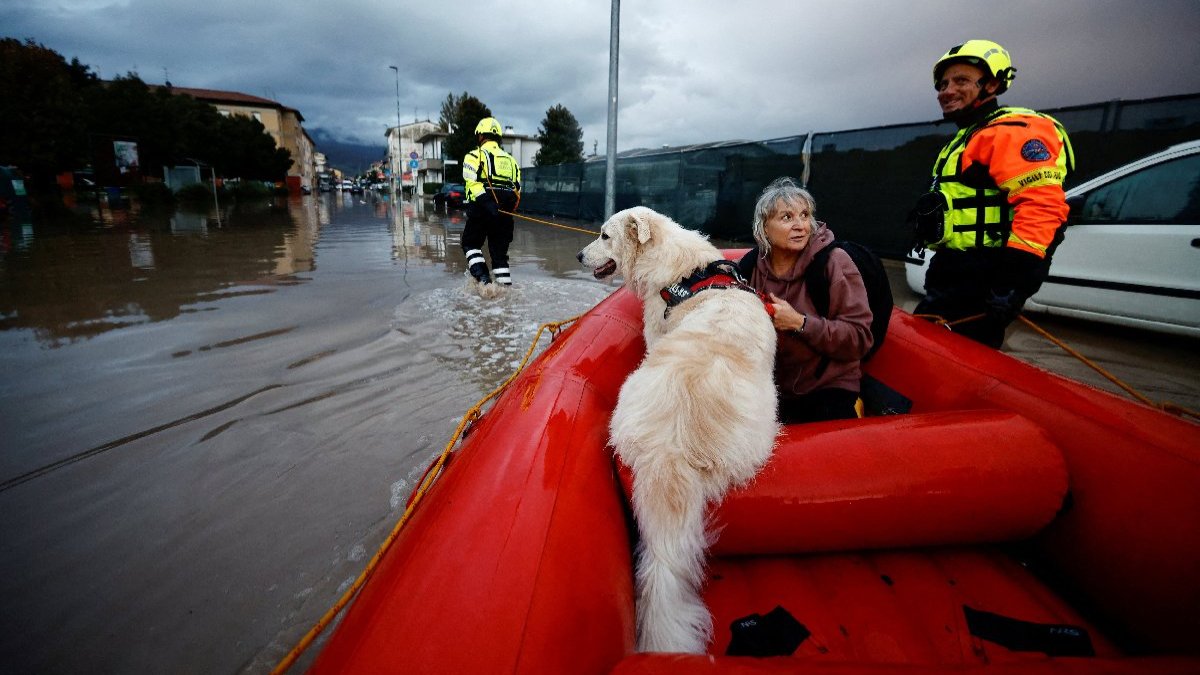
<point x="988" y="517"/>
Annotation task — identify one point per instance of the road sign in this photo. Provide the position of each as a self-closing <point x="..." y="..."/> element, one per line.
<point x="413" y="155"/>
<point x="413" y="164"/>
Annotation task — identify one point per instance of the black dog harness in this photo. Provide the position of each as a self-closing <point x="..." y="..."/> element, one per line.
<point x="718" y="274"/>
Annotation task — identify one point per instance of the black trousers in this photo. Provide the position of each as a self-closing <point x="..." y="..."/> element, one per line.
<point x="958" y="285"/>
<point x="818" y="406"/>
<point x="485" y="222"/>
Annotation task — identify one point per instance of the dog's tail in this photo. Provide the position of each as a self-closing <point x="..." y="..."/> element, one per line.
<point x="669" y="502"/>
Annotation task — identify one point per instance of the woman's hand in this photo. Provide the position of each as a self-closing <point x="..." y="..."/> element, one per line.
<point x="786" y="316"/>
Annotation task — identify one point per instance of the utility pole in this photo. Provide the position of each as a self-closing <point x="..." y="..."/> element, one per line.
<point x="398" y="159"/>
<point x="610" y="171"/>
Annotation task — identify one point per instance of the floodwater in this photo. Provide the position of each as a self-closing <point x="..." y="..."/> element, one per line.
<point x="209" y="427"/>
<point x="208" y="430"/>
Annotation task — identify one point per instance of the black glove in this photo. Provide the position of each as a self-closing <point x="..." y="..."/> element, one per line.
<point x="1017" y="276"/>
<point x="1003" y="306"/>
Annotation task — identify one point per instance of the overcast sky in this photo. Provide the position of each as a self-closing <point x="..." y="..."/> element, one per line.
<point x="691" y="71"/>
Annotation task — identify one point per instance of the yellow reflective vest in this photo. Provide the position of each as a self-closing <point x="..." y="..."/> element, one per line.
<point x="488" y="167"/>
<point x="1002" y="182"/>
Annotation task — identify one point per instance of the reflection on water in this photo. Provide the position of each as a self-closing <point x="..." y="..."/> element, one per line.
<point x="78" y="283"/>
<point x="207" y="427"/>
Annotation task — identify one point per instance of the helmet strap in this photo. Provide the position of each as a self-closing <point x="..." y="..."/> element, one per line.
<point x="986" y="96"/>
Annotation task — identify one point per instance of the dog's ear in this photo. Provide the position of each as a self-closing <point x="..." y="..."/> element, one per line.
<point x="640" y="225"/>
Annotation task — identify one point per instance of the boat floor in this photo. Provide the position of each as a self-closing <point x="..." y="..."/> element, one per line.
<point x="902" y="611"/>
<point x="895" y="607"/>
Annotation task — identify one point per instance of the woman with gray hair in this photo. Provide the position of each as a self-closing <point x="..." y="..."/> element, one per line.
<point x="817" y="363"/>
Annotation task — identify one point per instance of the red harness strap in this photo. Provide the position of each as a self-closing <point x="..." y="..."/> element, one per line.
<point x="707" y="279"/>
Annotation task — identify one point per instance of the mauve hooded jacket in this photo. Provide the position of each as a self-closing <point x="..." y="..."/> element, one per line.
<point x="844" y="336"/>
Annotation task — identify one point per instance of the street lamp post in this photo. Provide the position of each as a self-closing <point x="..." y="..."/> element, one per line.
<point x="610" y="167"/>
<point x="398" y="159"/>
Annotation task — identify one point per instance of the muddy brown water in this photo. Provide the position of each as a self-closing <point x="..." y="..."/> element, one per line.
<point x="208" y="429"/>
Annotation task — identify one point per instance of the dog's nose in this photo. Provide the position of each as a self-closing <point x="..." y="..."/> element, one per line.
<point x="579" y="256"/>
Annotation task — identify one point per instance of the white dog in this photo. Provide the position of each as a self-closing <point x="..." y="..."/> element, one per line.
<point x="697" y="417"/>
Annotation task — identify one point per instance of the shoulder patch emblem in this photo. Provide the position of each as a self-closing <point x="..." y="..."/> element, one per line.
<point x="1035" y="151"/>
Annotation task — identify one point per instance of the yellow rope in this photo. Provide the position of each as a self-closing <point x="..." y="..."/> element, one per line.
<point x="547" y="222"/>
<point x="943" y="322"/>
<point x="1165" y="406"/>
<point x="426" y="483"/>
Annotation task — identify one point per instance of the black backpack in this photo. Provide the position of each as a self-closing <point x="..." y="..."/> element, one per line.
<point x="874" y="276"/>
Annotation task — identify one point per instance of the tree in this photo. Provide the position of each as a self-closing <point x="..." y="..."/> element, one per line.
<point x="561" y="138"/>
<point x="171" y="128"/>
<point x="460" y="114"/>
<point x="58" y="116"/>
<point x="41" y="111"/>
<point x="246" y="150"/>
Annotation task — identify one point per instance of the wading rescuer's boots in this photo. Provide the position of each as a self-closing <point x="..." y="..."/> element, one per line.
<point x="478" y="267"/>
<point x="502" y="276"/>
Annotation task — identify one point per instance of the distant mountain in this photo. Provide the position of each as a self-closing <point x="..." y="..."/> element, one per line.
<point x="349" y="157"/>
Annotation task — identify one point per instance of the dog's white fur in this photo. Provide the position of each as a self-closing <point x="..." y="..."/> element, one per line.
<point x="697" y="417"/>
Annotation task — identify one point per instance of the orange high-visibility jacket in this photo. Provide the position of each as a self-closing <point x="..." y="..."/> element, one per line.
<point x="1002" y="180"/>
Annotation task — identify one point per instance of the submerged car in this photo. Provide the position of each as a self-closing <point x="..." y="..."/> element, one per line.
<point x="1131" y="253"/>
<point x="450" y="194"/>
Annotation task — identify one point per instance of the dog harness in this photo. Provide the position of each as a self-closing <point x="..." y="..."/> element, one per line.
<point x="718" y="274"/>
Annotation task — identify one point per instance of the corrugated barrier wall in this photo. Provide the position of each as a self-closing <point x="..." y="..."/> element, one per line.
<point x="864" y="180"/>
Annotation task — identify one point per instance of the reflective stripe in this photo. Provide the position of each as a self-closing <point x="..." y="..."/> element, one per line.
<point x="1041" y="176"/>
<point x="469" y="173"/>
<point x="502" y="275"/>
<point x="474" y="256"/>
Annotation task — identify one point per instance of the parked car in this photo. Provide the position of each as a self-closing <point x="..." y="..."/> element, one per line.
<point x="1131" y="254"/>
<point x="450" y="194"/>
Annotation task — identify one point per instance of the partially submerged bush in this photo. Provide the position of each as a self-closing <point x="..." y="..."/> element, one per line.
<point x="195" y="193"/>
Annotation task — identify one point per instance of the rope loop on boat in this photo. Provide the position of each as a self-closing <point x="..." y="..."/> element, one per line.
<point x="1165" y="406"/>
<point x="427" y="480"/>
<point x="945" y="323"/>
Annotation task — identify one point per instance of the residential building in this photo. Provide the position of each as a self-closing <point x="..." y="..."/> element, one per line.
<point x="432" y="166"/>
<point x="404" y="147"/>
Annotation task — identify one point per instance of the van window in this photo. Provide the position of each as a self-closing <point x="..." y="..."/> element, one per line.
<point x="1165" y="193"/>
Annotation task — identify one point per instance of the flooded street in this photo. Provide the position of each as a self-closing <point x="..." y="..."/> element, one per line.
<point x="209" y="429"/>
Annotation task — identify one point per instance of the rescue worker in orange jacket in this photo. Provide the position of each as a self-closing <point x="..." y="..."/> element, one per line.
<point x="996" y="208"/>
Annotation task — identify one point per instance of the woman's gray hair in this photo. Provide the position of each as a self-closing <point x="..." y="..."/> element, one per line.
<point x="781" y="191"/>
